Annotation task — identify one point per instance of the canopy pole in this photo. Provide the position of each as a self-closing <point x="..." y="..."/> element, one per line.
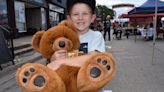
<point x="155" y="29"/>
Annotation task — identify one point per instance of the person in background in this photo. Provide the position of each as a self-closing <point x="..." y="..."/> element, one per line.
<point x="100" y="26"/>
<point x="82" y="14"/>
<point x="118" y="32"/>
<point x="107" y="25"/>
<point x="114" y="28"/>
<point x="92" y="26"/>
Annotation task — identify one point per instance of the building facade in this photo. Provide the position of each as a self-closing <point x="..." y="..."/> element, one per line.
<point x="29" y="16"/>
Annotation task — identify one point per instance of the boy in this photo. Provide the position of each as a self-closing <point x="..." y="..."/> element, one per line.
<point x="82" y="14"/>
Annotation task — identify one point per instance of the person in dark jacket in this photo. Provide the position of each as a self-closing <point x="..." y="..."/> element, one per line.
<point x="107" y="25"/>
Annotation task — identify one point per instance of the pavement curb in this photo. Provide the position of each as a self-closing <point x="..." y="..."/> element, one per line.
<point x="30" y="59"/>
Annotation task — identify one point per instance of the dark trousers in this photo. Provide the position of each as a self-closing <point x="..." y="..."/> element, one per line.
<point x="127" y="33"/>
<point x="118" y="32"/>
<point x="105" y="31"/>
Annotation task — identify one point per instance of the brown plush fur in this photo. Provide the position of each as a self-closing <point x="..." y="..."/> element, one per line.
<point x="47" y="42"/>
<point x="53" y="81"/>
<point x="77" y="77"/>
<point x="69" y="78"/>
<point x="87" y="83"/>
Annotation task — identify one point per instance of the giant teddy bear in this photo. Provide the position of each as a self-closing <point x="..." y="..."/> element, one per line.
<point x="89" y="76"/>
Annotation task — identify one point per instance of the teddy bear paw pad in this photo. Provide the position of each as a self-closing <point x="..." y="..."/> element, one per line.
<point x="100" y="66"/>
<point x="26" y="74"/>
<point x="39" y="81"/>
<point x="95" y="72"/>
<point x="38" y="78"/>
<point x="32" y="77"/>
<point x="29" y="76"/>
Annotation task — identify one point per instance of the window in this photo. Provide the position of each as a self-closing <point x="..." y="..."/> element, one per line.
<point x="59" y="1"/>
<point x="3" y="12"/>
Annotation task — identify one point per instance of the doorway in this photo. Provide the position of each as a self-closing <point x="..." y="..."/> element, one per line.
<point x="33" y="18"/>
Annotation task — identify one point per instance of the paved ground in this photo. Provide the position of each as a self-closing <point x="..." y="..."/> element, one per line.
<point x="22" y="40"/>
<point x="135" y="70"/>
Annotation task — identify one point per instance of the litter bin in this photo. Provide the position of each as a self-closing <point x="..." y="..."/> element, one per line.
<point x="5" y="52"/>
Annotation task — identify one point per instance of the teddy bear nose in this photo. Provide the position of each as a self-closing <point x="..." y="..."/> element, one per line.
<point x="62" y="44"/>
<point x="39" y="81"/>
<point x="95" y="72"/>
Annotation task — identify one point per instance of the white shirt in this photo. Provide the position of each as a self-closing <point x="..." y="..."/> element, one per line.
<point x="91" y="41"/>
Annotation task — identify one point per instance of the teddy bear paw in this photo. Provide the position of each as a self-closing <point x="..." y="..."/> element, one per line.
<point x="39" y="81"/>
<point x="37" y="77"/>
<point x="104" y="65"/>
<point x="99" y="69"/>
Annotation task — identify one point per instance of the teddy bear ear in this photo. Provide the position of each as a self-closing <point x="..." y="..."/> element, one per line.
<point x="36" y="40"/>
<point x="68" y="23"/>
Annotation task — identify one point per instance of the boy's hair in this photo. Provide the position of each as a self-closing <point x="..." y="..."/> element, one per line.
<point x="90" y="3"/>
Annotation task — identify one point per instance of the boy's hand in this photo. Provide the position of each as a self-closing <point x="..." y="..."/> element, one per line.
<point x="60" y="54"/>
<point x="54" y="65"/>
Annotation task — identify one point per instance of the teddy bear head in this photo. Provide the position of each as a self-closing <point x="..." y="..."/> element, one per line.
<point x="62" y="36"/>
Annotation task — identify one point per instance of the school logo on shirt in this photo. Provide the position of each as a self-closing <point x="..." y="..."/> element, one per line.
<point x="84" y="47"/>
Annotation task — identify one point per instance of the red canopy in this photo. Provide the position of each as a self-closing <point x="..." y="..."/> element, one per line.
<point x="139" y="15"/>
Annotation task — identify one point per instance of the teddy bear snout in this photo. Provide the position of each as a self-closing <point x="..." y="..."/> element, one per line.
<point x="62" y="44"/>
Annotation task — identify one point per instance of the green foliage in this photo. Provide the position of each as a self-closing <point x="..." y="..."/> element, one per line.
<point x="103" y="11"/>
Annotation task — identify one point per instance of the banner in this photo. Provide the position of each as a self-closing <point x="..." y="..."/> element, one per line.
<point x="20" y="16"/>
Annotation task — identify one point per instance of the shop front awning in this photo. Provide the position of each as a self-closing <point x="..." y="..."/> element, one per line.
<point x="139" y="15"/>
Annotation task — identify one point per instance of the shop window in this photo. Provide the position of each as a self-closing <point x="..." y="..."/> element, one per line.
<point x="3" y="13"/>
<point x="53" y="18"/>
<point x="39" y="1"/>
<point x="60" y="1"/>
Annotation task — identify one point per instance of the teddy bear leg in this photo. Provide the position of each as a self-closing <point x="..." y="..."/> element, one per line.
<point x="38" y="78"/>
<point x="96" y="72"/>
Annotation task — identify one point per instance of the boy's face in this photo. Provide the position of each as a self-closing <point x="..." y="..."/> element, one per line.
<point x="81" y="17"/>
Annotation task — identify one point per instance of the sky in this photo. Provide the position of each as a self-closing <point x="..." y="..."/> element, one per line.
<point x="121" y="10"/>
